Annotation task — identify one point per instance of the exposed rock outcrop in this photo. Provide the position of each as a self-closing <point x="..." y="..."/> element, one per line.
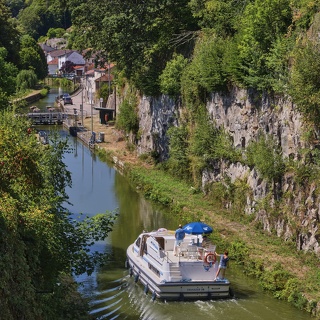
<point x="244" y="114"/>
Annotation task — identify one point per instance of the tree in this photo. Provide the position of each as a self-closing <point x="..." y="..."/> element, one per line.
<point x="138" y="35"/>
<point x="32" y="57"/>
<point x="26" y="79"/>
<point x="8" y="73"/>
<point x="263" y="22"/>
<point x="9" y="35"/>
<point x="39" y="16"/>
<point x="39" y="243"/>
<point x="170" y="79"/>
<point x="15" y="6"/>
<point x="217" y="15"/>
<point x="305" y="82"/>
<point x="67" y="67"/>
<point x="55" y="33"/>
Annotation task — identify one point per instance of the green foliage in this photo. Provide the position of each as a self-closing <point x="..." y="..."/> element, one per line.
<point x="8" y="74"/>
<point x="265" y="155"/>
<point x="104" y="91"/>
<point x="38" y="239"/>
<point x="139" y="36"/>
<point x="39" y="16"/>
<point x="15" y="6"/>
<point x="306" y="173"/>
<point x="44" y="92"/>
<point x="178" y="163"/>
<point x="305" y="82"/>
<point x="206" y="69"/>
<point x="277" y="63"/>
<point x="305" y="11"/>
<point x="240" y="252"/>
<point x="127" y="118"/>
<point x="170" y="82"/>
<point x="55" y="33"/>
<point x="9" y="36"/>
<point x="210" y="142"/>
<point x="220" y="16"/>
<point x="32" y="57"/>
<point x="218" y="193"/>
<point x="4" y="101"/>
<point x="64" y="301"/>
<point x="26" y="79"/>
<point x="275" y="280"/>
<point x="292" y="293"/>
<point x="63" y="82"/>
<point x="262" y="23"/>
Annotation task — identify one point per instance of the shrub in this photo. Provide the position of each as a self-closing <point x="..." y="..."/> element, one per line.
<point x="265" y="155"/>
<point x="127" y="119"/>
<point x="178" y="163"/>
<point x="26" y="79"/>
<point x="170" y="79"/>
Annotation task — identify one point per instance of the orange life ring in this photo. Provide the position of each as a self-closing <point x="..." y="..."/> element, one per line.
<point x="210" y="258"/>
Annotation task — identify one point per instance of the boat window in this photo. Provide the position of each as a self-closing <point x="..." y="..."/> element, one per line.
<point x="155" y="270"/>
<point x="138" y="242"/>
<point x="145" y="249"/>
<point x="160" y="241"/>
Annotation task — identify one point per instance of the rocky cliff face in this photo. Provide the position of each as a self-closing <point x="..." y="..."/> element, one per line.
<point x="243" y="114"/>
<point x="155" y="117"/>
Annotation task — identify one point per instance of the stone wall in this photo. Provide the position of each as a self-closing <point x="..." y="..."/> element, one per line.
<point x="156" y="115"/>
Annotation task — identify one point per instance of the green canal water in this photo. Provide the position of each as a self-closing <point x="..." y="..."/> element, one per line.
<point x="96" y="188"/>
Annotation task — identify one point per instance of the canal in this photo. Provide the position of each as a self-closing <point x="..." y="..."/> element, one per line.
<point x="98" y="187"/>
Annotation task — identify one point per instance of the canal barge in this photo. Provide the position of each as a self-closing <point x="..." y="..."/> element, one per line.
<point x="188" y="274"/>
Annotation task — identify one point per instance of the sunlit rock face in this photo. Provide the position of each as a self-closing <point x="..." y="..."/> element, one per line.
<point x="244" y="114"/>
<point x="156" y="115"/>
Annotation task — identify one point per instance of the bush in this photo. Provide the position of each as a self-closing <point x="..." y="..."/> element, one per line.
<point x="44" y="92"/>
<point x="305" y="81"/>
<point x="170" y="79"/>
<point x="178" y="163"/>
<point x="26" y="79"/>
<point x="127" y="119"/>
<point x="265" y="155"/>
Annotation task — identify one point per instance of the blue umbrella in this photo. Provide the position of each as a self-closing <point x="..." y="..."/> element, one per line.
<point x="197" y="228"/>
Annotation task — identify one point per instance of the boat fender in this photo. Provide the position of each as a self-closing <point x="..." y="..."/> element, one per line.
<point x="210" y="258"/>
<point x="130" y="272"/>
<point x="153" y="296"/>
<point x="146" y="289"/>
<point x="136" y="278"/>
<point x="126" y="264"/>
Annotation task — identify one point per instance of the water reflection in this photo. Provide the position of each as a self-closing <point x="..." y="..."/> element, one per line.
<point x="48" y="101"/>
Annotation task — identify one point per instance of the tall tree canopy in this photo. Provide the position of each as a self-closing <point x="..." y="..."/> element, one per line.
<point x="32" y="57"/>
<point x="139" y="35"/>
<point x="9" y="35"/>
<point x="39" y="16"/>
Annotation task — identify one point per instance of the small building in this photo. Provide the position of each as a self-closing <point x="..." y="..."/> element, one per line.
<point x="53" y="66"/>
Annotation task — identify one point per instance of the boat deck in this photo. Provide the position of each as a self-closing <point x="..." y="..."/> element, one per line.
<point x="190" y="253"/>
